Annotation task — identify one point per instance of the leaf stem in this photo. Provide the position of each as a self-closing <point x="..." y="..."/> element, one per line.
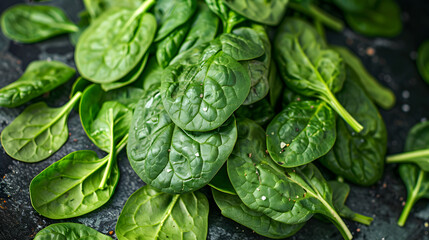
<point x="112" y="152"/>
<point x="122" y="143"/>
<point x="70" y="27"/>
<point x="333" y="102"/>
<point x="411" y="199"/>
<point x="317" y="13"/>
<point x="404" y="157"/>
<point x="362" y="219"/>
<point x="143" y="8"/>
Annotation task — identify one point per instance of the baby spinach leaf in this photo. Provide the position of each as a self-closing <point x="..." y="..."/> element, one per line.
<point x="79" y="86"/>
<point x="171" y="159"/>
<point x="129" y="78"/>
<point x="309" y="67"/>
<point x="358" y="157"/>
<point x="221" y="182"/>
<point x="289" y="196"/>
<point x="152" y="75"/>
<point x="229" y="17"/>
<point x="202" y="94"/>
<point x="307" y="8"/>
<point x="203" y="29"/>
<point x="97" y="7"/>
<point x="262" y="11"/>
<point x="171" y="14"/>
<point x="303" y="132"/>
<point x="275" y="85"/>
<point x="158" y="215"/>
<point x="261" y="112"/>
<point x="416" y="179"/>
<point x="79" y="183"/>
<point x="38" y="132"/>
<point x="115" y="43"/>
<point x="232" y="207"/>
<point x="381" y="95"/>
<point x="423" y="61"/>
<point x="94" y="116"/>
<point x="383" y="20"/>
<point x="242" y="44"/>
<point x="38" y="78"/>
<point x="71" y="231"/>
<point x="340" y="192"/>
<point x="28" y="24"/>
<point x="168" y="47"/>
<point x="354" y="5"/>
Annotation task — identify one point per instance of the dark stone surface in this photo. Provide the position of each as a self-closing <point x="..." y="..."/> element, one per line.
<point x="393" y="64"/>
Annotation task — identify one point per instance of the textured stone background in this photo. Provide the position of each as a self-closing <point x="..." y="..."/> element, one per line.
<point x="393" y="64"/>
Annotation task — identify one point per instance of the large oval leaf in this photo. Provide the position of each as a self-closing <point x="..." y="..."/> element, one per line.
<point x="303" y="132"/>
<point x="171" y="159"/>
<point x="263" y="11"/>
<point x="242" y="44"/>
<point x="111" y="46"/>
<point x="38" y="78"/>
<point x="38" y="132"/>
<point x="201" y="97"/>
<point x="69" y="231"/>
<point x="153" y="215"/>
<point x="232" y="207"/>
<point x="71" y="187"/>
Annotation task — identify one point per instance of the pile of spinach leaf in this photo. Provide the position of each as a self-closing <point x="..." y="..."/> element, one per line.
<point x="193" y="90"/>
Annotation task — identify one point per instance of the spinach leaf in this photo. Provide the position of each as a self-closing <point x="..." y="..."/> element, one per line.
<point x="383" y="19"/>
<point x="71" y="231"/>
<point x="38" y="132"/>
<point x="221" y="182"/>
<point x="262" y="11"/>
<point x="84" y="21"/>
<point x="243" y="44"/>
<point x="158" y="215"/>
<point x="171" y="14"/>
<point x="303" y="132"/>
<point x="309" y="67"/>
<point x="79" y="86"/>
<point x="232" y="207"/>
<point x="261" y="112"/>
<point x="38" y="78"/>
<point x="129" y="78"/>
<point x="97" y="7"/>
<point x="311" y="10"/>
<point x="258" y="68"/>
<point x="115" y="43"/>
<point x="78" y="183"/>
<point x="340" y="192"/>
<point x="201" y="93"/>
<point x="229" y="17"/>
<point x="415" y="177"/>
<point x="381" y="95"/>
<point x="169" y="158"/>
<point x="275" y="85"/>
<point x="29" y="24"/>
<point x="358" y="157"/>
<point x="355" y="5"/>
<point x="289" y="196"/>
<point x="203" y="29"/>
<point x="423" y="61"/>
<point x="152" y="75"/>
<point x="168" y="47"/>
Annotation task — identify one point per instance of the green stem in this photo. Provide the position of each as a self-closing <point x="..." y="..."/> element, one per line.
<point x="362" y="219"/>
<point x="411" y="199"/>
<point x="68" y="27"/>
<point x="143" y="8"/>
<point x="122" y="143"/>
<point x="405" y="157"/>
<point x="111" y="155"/>
<point x="332" y="100"/>
<point x="317" y="13"/>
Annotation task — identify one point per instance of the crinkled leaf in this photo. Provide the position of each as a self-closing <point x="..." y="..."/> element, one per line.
<point x="169" y="46"/>
<point x="242" y="44"/>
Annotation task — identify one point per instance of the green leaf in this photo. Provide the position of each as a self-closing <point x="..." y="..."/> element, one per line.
<point x="171" y="159"/>
<point x="70" y="231"/>
<point x="171" y="14"/>
<point x="97" y="7"/>
<point x="242" y="44"/>
<point x="275" y="85"/>
<point x="79" y="86"/>
<point x="221" y="182"/>
<point x="423" y="61"/>
<point x="261" y="112"/>
<point x="38" y="78"/>
<point x="303" y="132"/>
<point x="355" y="5"/>
<point x="289" y="196"/>
<point x="262" y="11"/>
<point x="358" y="157"/>
<point x="129" y="78"/>
<point x="115" y="43"/>
<point x="169" y="46"/>
<point x="340" y="192"/>
<point x="150" y="215"/>
<point x="382" y="20"/>
<point x="203" y="29"/>
<point x="309" y="67"/>
<point x="381" y="95"/>
<point x="152" y="75"/>
<point x="229" y="17"/>
<point x="38" y="132"/>
<point x="203" y="94"/>
<point x="29" y="23"/>
<point x="232" y="207"/>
